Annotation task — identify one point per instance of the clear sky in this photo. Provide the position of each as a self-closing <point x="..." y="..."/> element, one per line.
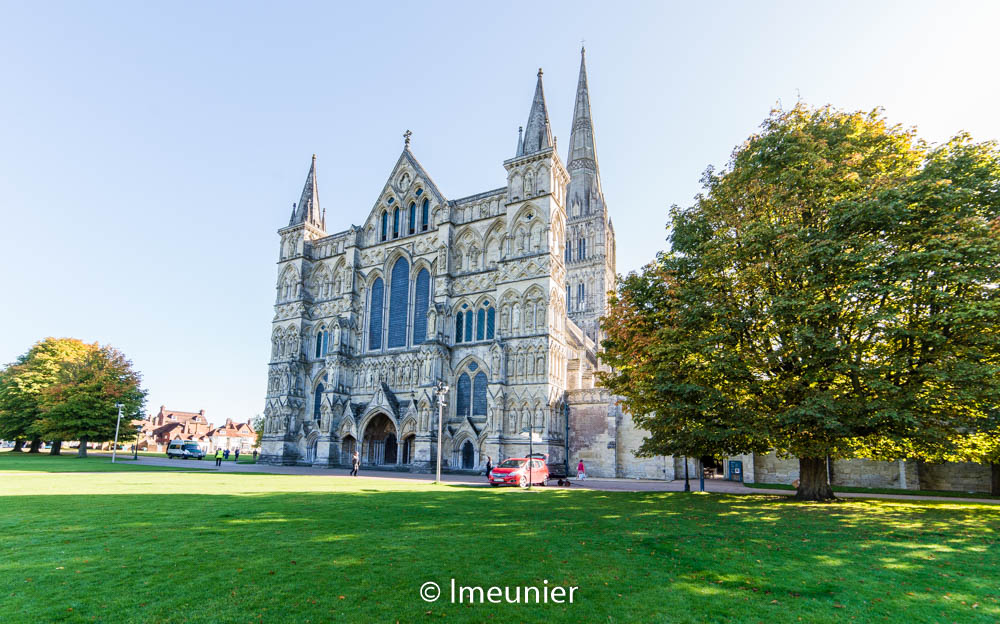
<point x="149" y="153"/>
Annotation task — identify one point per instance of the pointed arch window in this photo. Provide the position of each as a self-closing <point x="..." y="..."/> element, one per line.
<point x="411" y="223"/>
<point x="491" y="319"/>
<point x="569" y="298"/>
<point x="582" y="249"/>
<point x="399" y="295"/>
<point x="568" y="252"/>
<point x="385" y="225"/>
<point x="580" y="291"/>
<point x="481" y="324"/>
<point x="421" y="301"/>
<point x="375" y="305"/>
<point x="458" y="327"/>
<point x="479" y="395"/>
<point x="425" y="213"/>
<point x="395" y="223"/>
<point x="464" y="396"/>
<point x="322" y="342"/>
<point x="468" y="326"/>
<point x="318" y="401"/>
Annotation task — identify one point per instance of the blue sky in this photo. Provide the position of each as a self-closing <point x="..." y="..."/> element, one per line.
<point x="149" y="153"/>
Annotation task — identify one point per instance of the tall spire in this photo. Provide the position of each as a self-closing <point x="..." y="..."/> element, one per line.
<point x="585" y="176"/>
<point x="308" y="210"/>
<point x="581" y="139"/>
<point x="537" y="132"/>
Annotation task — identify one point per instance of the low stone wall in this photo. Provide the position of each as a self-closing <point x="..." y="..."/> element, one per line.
<point x="772" y="469"/>
<point x="959" y="477"/>
<point x="873" y="474"/>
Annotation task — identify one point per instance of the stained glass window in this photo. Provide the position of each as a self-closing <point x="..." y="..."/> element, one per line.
<point x="464" y="392"/>
<point x="421" y="301"/>
<point x="479" y="395"/>
<point x="375" y="315"/>
<point x="425" y="215"/>
<point x="399" y="295"/>
<point x="411" y="223"/>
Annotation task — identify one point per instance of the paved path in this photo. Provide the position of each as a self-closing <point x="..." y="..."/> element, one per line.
<point x="620" y="485"/>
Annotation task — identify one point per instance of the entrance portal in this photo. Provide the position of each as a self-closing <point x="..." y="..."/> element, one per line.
<point x="378" y="443"/>
<point x="468" y="456"/>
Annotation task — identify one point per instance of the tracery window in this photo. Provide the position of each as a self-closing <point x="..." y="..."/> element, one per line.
<point x="479" y="394"/>
<point x="424" y="214"/>
<point x="464" y="395"/>
<point x="411" y="223"/>
<point x="421" y="301"/>
<point x="318" y="401"/>
<point x="399" y="303"/>
<point x="385" y="225"/>
<point x="375" y="304"/>
<point x="395" y="223"/>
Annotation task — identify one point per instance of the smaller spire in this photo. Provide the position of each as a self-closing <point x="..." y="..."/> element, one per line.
<point x="520" y="141"/>
<point x="308" y="209"/>
<point x="537" y="133"/>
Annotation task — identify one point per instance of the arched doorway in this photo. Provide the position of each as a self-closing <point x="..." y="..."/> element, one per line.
<point x="407" y="449"/>
<point x="378" y="443"/>
<point x="311" y="447"/>
<point x="468" y="456"/>
<point x="347" y="448"/>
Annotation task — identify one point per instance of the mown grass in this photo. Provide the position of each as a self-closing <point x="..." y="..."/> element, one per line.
<point x="69" y="462"/>
<point x="229" y="547"/>
<point x="864" y="490"/>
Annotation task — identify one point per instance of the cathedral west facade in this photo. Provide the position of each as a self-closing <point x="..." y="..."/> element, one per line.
<point x="498" y="295"/>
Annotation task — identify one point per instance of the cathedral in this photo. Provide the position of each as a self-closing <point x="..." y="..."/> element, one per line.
<point x="497" y="296"/>
<point x="485" y="309"/>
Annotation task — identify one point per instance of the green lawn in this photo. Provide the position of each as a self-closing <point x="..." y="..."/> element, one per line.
<point x="69" y="462"/>
<point x="215" y="547"/>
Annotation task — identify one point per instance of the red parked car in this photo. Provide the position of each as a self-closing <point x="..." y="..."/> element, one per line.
<point x="516" y="471"/>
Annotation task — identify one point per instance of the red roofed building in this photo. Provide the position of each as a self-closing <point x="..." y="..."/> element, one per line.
<point x="159" y="429"/>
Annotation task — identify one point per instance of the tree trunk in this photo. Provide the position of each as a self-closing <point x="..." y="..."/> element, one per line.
<point x="35" y="444"/>
<point x="813" y="485"/>
<point x="18" y="445"/>
<point x="82" y="452"/>
<point x="56" y="447"/>
<point x="995" y="479"/>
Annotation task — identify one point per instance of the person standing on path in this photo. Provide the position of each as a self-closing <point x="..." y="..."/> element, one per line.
<point x="489" y="467"/>
<point x="581" y="472"/>
<point x="218" y="457"/>
<point x="355" y="464"/>
<point x="236" y="455"/>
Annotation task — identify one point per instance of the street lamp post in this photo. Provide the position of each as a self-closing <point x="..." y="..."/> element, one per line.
<point x="531" y="451"/>
<point x="135" y="447"/>
<point x="442" y="392"/>
<point x="687" y="482"/>
<point x="114" y="449"/>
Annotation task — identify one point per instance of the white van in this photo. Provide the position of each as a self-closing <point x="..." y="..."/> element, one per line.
<point x="184" y="449"/>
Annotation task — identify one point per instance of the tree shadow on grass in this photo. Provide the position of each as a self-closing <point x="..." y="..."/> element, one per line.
<point x="362" y="556"/>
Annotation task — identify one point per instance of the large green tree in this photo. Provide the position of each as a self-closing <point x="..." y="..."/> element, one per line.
<point x="82" y="404"/>
<point x="23" y="385"/>
<point x="835" y="295"/>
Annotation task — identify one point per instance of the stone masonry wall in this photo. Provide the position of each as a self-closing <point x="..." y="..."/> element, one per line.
<point x="960" y="477"/>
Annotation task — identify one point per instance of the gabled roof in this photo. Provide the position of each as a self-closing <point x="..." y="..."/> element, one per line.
<point x="405" y="163"/>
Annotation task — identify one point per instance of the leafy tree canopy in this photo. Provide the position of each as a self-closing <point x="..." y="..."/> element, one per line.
<point x="833" y="292"/>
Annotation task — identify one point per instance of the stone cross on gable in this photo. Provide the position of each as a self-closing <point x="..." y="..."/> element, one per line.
<point x="406" y="138"/>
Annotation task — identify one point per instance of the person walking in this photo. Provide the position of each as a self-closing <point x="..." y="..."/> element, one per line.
<point x="581" y="472"/>
<point x="218" y="457"/>
<point x="236" y="455"/>
<point x="489" y="467"/>
<point x="355" y="464"/>
<point x="255" y="455"/>
<point x="226" y="454"/>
